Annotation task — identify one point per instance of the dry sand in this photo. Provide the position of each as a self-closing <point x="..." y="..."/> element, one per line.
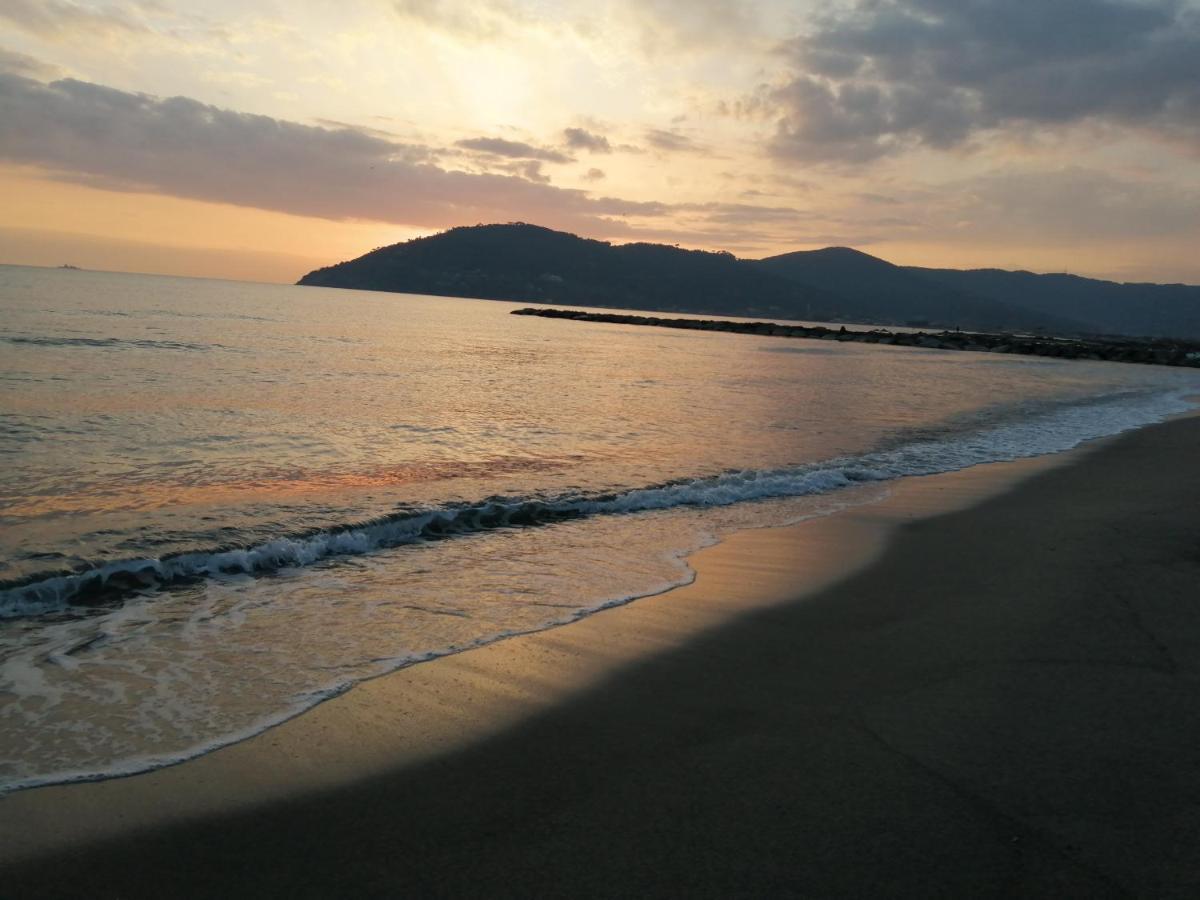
<point x="998" y="700"/>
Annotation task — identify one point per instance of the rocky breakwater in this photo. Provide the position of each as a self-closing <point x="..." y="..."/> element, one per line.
<point x="1127" y="350"/>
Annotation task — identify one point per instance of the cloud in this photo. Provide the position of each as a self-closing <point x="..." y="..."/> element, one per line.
<point x="582" y="139"/>
<point x="118" y="25"/>
<point x="595" y="175"/>
<point x="672" y="142"/>
<point x="688" y="25"/>
<point x="21" y="64"/>
<point x="651" y="27"/>
<point x="746" y="213"/>
<point x="1034" y="205"/>
<point x="875" y="77"/>
<point x="512" y="149"/>
<point x="55" y="18"/>
<point x="339" y="125"/>
<point x="1069" y="205"/>
<point x="464" y="18"/>
<point x="529" y="169"/>
<point x="116" y="140"/>
<point x="90" y="134"/>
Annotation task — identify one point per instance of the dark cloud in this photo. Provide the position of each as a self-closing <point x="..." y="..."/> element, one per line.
<point x="880" y="76"/>
<point x="116" y="140"/>
<point x="512" y="149"/>
<point x="595" y="175"/>
<point x="582" y="139"/>
<point x="672" y="141"/>
<point x="529" y="169"/>
<point x="532" y="170"/>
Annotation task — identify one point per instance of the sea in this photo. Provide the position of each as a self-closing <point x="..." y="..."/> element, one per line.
<point x="223" y="503"/>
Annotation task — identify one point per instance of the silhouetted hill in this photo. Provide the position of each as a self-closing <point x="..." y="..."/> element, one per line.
<point x="1104" y="307"/>
<point x="877" y="291"/>
<point x="527" y="262"/>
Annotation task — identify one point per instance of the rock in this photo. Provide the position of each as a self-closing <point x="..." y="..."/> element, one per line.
<point x="1167" y="353"/>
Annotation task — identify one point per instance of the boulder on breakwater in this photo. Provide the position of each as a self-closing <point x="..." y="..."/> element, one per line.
<point x="1159" y="352"/>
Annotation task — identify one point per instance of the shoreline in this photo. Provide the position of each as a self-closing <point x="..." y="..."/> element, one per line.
<point x="997" y="472"/>
<point x="827" y="548"/>
<point x="469" y="712"/>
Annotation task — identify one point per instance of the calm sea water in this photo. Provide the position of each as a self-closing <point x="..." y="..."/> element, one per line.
<point x="221" y="503"/>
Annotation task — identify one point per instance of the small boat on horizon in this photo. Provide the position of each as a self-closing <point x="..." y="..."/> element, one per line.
<point x="69" y="266"/>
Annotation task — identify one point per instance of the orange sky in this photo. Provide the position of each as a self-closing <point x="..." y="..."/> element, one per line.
<point x="256" y="141"/>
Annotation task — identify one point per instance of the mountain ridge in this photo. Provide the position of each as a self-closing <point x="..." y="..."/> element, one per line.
<point x="1111" y="307"/>
<point x="529" y="263"/>
<point x="523" y="262"/>
<point x="879" y="289"/>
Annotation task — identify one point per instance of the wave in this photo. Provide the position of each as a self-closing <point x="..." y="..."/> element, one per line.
<point x="1049" y="432"/>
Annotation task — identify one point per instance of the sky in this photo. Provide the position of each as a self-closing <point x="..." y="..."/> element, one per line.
<point x="257" y="140"/>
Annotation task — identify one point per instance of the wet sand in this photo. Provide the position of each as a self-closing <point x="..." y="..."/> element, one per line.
<point x="997" y="700"/>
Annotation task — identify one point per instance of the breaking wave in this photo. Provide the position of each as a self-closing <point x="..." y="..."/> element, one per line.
<point x="1050" y="432"/>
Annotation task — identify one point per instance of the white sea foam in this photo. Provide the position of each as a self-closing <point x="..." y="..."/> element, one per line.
<point x="1049" y="432"/>
<point x="26" y="680"/>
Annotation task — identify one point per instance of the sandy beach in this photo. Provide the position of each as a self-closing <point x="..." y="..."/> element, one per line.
<point x="988" y="685"/>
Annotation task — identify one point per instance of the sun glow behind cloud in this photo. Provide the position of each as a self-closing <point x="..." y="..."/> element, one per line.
<point x="316" y="131"/>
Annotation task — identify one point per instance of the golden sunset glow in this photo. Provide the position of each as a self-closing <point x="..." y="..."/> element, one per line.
<point x="49" y="223"/>
<point x="255" y="141"/>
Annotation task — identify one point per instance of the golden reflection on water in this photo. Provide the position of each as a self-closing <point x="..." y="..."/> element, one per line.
<point x="279" y="485"/>
<point x="144" y="416"/>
